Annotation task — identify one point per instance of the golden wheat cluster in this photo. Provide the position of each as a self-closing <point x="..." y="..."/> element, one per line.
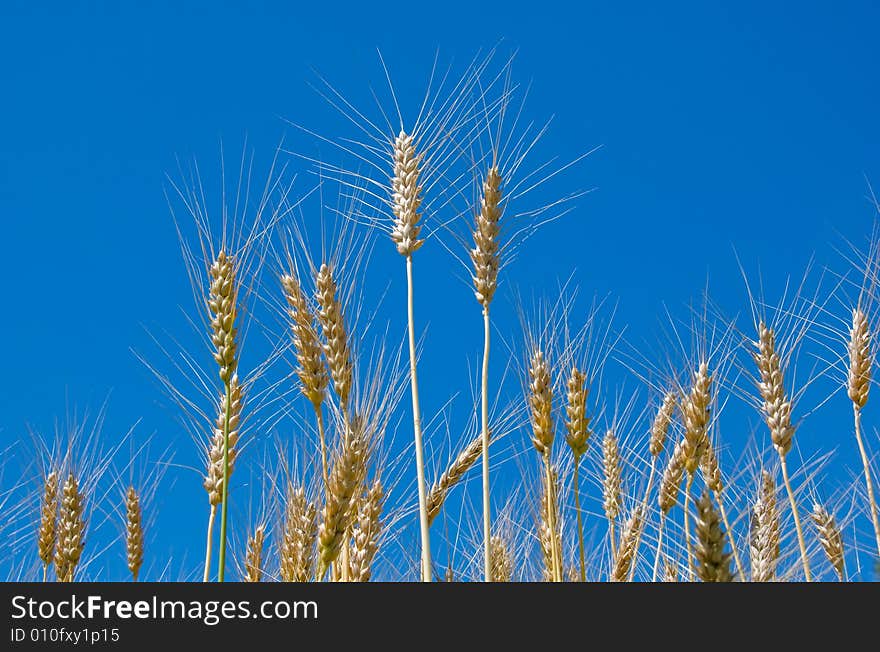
<point x="659" y="496"/>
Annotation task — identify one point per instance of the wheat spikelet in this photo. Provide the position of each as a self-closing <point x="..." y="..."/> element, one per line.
<point x="484" y="254"/>
<point x="330" y="317"/>
<point x="662" y="422"/>
<point x="215" y="476"/>
<point x="541" y="403"/>
<point x="829" y="537"/>
<point x="764" y="543"/>
<point x="626" y="548"/>
<point x="253" y="560"/>
<point x="696" y="413"/>
<point x="713" y="563"/>
<point x="670" y="483"/>
<point x="222" y="297"/>
<point x="71" y="528"/>
<point x="339" y="508"/>
<point x="406" y="195"/>
<point x="711" y="470"/>
<point x="46" y="535"/>
<point x="368" y="527"/>
<point x="310" y="368"/>
<point x="300" y="531"/>
<point x="861" y="359"/>
<point x="452" y="475"/>
<point x="134" y="533"/>
<point x="611" y="479"/>
<point x="776" y="407"/>
<point x="501" y="564"/>
<point x="577" y="424"/>
<point x="549" y="534"/>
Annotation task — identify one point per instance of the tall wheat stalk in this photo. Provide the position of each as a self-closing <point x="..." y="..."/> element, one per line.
<point x="776" y="408"/>
<point x="577" y="435"/>
<point x="406" y="200"/>
<point x="696" y="413"/>
<point x="485" y="258"/>
<point x="667" y="496"/>
<point x="715" y="483"/>
<point x="861" y="360"/>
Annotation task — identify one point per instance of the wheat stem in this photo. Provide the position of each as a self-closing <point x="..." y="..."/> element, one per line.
<point x="487" y="513"/>
<point x="417" y="429"/>
<point x="210" y="543"/>
<point x="872" y="502"/>
<point x="550" y="497"/>
<point x="687" y="526"/>
<point x="797" y="519"/>
<point x="224" y="501"/>
<point x="580" y="525"/>
<point x="659" y="545"/>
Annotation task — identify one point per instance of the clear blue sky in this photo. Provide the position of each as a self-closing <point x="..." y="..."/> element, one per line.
<point x="748" y="125"/>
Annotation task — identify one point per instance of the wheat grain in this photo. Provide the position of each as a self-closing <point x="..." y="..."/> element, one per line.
<point x="406" y="195"/>
<point x="662" y="422"/>
<point x="611" y="482"/>
<point x="626" y="548"/>
<point x="452" y="475"/>
<point x="330" y="317"/>
<point x="829" y="538"/>
<point x="501" y="564"/>
<point x="222" y="299"/>
<point x="134" y="533"/>
<point x="484" y="254"/>
<point x="226" y="431"/>
<point x="300" y="531"/>
<point x="541" y="403"/>
<point x="71" y="530"/>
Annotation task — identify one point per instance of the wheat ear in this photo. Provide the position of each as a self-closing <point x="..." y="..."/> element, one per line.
<point x="667" y="496"/>
<point x="134" y="533"/>
<point x="71" y="530"/>
<point x="368" y="527"/>
<point x="714" y="481"/>
<point x="310" y="368"/>
<point x="253" y="558"/>
<point x="47" y="533"/>
<point x="713" y="563"/>
<point x="347" y="475"/>
<point x="485" y="258"/>
<point x="625" y="561"/>
<point x="222" y="303"/>
<point x="861" y="360"/>
<point x="696" y="414"/>
<point x="501" y="563"/>
<point x="300" y="531"/>
<point x="577" y="436"/>
<point x="406" y="200"/>
<point x="611" y="485"/>
<point x="764" y="542"/>
<point x="221" y="456"/>
<point x="776" y="408"/>
<point x="452" y="475"/>
<point x="829" y="538"/>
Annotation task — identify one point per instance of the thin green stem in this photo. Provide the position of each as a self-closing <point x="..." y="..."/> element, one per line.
<point x="797" y="519"/>
<point x="210" y="543"/>
<point x="227" y="415"/>
<point x="872" y="502"/>
<point x="487" y="514"/>
<point x="417" y="429"/>
<point x="577" y="504"/>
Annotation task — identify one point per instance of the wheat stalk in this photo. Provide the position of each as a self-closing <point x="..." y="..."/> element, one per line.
<point x="712" y="476"/>
<point x="501" y="563"/>
<point x="611" y="482"/>
<point x="71" y="530"/>
<point x="47" y="534"/>
<point x="330" y="317"/>
<point x="696" y="414"/>
<point x="829" y="538"/>
<point x="253" y="560"/>
<point x="577" y="435"/>
<point x="310" y="368"/>
<point x="549" y="534"/>
<point x="776" y="408"/>
<point x="406" y="200"/>
<point x="764" y="543"/>
<point x="134" y="533"/>
<point x="485" y="258"/>
<point x="861" y="360"/>
<point x="368" y="527"/>
<point x="452" y="475"/>
<point x="713" y="563"/>
<point x="625" y="560"/>
<point x="300" y="531"/>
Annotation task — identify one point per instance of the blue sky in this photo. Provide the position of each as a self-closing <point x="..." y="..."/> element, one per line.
<point x="747" y="127"/>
